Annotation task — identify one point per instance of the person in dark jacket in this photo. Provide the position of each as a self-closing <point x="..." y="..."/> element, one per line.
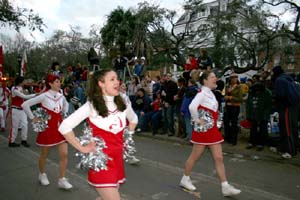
<point x="156" y="87"/>
<point x="169" y="91"/>
<point x="258" y="110"/>
<point x="141" y="105"/>
<point x="219" y="94"/>
<point x="189" y="94"/>
<point x="181" y="132"/>
<point x="204" y="61"/>
<point x="93" y="57"/>
<point x="119" y="66"/>
<point x="288" y="112"/>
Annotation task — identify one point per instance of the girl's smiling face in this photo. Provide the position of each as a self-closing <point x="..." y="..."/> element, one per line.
<point x="111" y="84"/>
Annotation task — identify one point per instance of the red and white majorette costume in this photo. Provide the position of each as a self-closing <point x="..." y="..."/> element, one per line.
<point x="205" y="100"/>
<point x="110" y="129"/>
<point x="19" y="118"/>
<point x="56" y="105"/>
<point x="4" y="95"/>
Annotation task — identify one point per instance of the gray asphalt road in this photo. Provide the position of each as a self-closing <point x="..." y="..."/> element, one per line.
<point x="156" y="177"/>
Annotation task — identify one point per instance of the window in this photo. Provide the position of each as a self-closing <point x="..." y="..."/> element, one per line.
<point x="223" y="8"/>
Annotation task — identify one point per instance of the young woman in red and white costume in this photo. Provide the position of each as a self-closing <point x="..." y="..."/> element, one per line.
<point x="212" y="138"/>
<point x="54" y="102"/>
<point x="4" y="104"/>
<point x="106" y="112"/>
<point x="18" y="116"/>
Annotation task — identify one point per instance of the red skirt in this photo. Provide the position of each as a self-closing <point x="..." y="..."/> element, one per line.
<point x="51" y="136"/>
<point x="211" y="136"/>
<point x="115" y="173"/>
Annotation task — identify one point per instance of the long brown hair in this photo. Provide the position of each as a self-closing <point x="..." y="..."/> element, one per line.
<point x="95" y="94"/>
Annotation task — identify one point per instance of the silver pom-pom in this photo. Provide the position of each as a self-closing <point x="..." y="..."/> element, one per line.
<point x="129" y="145"/>
<point x="94" y="160"/>
<point x="207" y="117"/>
<point x="42" y="124"/>
<point x="220" y="120"/>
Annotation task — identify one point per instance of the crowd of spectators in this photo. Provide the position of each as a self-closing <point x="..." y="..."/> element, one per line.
<point x="263" y="103"/>
<point x="255" y="103"/>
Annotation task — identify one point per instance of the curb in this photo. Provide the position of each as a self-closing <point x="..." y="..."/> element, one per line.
<point x="237" y="151"/>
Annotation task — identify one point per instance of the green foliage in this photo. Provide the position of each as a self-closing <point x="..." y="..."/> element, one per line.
<point x="19" y="17"/>
<point x="10" y="63"/>
<point x="119" y="29"/>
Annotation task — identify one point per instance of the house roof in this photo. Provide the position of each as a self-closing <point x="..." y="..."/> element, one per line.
<point x="193" y="14"/>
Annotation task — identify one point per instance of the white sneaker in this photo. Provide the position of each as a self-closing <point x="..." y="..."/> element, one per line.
<point x="229" y="190"/>
<point x="64" y="184"/>
<point x="134" y="161"/>
<point x="187" y="183"/>
<point x="286" y="156"/>
<point x="43" y="179"/>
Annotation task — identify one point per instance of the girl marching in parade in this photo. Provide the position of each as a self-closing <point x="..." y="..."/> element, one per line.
<point x="106" y="112"/>
<point x="4" y="104"/>
<point x="56" y="106"/>
<point x="211" y="138"/>
<point x="18" y="116"/>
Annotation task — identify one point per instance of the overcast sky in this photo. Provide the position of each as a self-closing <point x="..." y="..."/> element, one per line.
<point x="60" y="14"/>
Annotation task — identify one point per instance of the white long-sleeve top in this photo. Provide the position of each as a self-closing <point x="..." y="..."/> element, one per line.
<point x="205" y="98"/>
<point x="114" y="122"/>
<point x="17" y="91"/>
<point x="52" y="100"/>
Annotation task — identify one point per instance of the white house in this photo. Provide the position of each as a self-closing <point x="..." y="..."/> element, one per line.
<point x="192" y="20"/>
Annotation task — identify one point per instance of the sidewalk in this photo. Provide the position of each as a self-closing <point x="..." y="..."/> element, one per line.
<point x="237" y="151"/>
<point x="19" y="177"/>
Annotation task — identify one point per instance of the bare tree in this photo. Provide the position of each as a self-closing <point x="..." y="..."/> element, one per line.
<point x="290" y="29"/>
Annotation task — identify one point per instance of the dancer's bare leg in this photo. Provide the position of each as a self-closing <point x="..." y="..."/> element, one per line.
<point x="63" y="159"/>
<point x="217" y="154"/>
<point x="43" y="157"/>
<point x="194" y="156"/>
<point x="108" y="193"/>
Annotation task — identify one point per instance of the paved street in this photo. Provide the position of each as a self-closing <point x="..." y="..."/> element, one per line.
<point x="259" y="176"/>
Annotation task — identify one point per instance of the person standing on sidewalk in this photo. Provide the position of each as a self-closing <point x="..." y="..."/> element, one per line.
<point x="258" y="110"/>
<point x="233" y="99"/>
<point x="106" y="112"/>
<point x="211" y="138"/>
<point x="189" y="95"/>
<point x="180" y="123"/>
<point x="287" y="101"/>
<point x="168" y="92"/>
<point x="56" y="105"/>
<point x="18" y="116"/>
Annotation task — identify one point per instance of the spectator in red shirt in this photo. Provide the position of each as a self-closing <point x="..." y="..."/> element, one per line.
<point x="191" y="63"/>
<point x="84" y="74"/>
<point x="154" y="116"/>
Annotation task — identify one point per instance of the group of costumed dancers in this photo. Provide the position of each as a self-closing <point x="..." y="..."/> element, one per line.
<point x="108" y="113"/>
